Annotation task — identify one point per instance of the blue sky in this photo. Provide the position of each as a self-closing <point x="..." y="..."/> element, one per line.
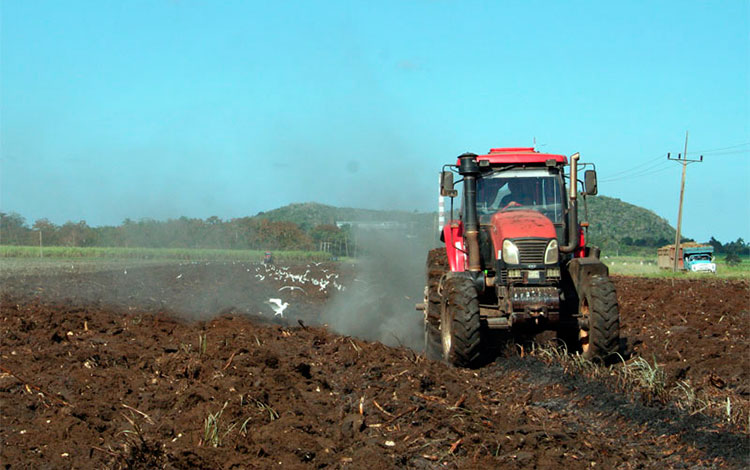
<point x="167" y="108"/>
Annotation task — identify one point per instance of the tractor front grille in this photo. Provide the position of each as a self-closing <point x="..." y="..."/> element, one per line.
<point x="531" y="250"/>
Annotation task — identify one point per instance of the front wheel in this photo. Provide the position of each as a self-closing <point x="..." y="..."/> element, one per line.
<point x="600" y="338"/>
<point x="459" y="321"/>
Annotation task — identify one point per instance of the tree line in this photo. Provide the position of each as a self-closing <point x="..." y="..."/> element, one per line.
<point x="738" y="247"/>
<point x="254" y="233"/>
<point x="264" y="233"/>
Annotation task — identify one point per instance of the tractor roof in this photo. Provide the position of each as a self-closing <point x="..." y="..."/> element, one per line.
<point x="522" y="155"/>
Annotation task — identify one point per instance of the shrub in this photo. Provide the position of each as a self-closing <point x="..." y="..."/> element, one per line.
<point x="732" y="259"/>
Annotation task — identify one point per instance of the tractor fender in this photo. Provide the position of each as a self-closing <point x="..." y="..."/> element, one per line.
<point x="582" y="269"/>
<point x="453" y="237"/>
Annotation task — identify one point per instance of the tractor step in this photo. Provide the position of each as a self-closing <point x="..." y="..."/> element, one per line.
<point x="497" y="323"/>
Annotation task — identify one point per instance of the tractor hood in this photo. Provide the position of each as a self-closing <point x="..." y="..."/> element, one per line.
<point x="519" y="223"/>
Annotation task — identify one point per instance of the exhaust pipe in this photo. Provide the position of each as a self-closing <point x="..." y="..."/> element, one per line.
<point x="469" y="169"/>
<point x="573" y="209"/>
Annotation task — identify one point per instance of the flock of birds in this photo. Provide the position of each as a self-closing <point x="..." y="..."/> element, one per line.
<point x="281" y="273"/>
<point x="296" y="282"/>
<point x="300" y="282"/>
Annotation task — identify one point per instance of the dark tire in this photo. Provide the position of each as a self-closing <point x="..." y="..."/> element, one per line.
<point x="460" y="328"/>
<point x="598" y="303"/>
<point x="432" y="347"/>
<point x="437" y="266"/>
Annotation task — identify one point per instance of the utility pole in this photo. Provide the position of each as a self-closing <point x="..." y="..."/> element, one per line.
<point x="682" y="158"/>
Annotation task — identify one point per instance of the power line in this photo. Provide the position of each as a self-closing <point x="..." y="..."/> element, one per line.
<point x="635" y="175"/>
<point x="642" y="175"/>
<point x="725" y="152"/>
<point x="745" y="144"/>
<point x="652" y="170"/>
<point x="656" y="165"/>
<point x="635" y="167"/>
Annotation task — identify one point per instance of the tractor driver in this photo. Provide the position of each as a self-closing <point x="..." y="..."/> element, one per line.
<point x="521" y="193"/>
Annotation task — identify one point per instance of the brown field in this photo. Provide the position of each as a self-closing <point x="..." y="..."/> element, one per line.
<point x="184" y="366"/>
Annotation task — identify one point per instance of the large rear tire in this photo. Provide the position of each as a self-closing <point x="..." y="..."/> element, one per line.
<point x="598" y="304"/>
<point x="437" y="266"/>
<point x="460" y="328"/>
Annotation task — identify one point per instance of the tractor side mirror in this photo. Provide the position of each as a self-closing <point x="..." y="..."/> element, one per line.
<point x="589" y="182"/>
<point x="446" y="184"/>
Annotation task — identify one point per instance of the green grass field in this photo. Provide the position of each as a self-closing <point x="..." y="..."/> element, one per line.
<point x="186" y="254"/>
<point x="621" y="265"/>
<point x="643" y="266"/>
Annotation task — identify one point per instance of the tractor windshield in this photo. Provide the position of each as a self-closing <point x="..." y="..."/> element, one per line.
<point x="536" y="190"/>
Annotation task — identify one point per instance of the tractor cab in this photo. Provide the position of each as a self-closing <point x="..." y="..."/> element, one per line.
<point x="521" y="189"/>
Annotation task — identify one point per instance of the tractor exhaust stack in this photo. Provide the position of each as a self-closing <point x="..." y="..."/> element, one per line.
<point x="469" y="169"/>
<point x="573" y="209"/>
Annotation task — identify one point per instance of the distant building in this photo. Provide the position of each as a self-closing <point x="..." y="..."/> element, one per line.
<point x="372" y="225"/>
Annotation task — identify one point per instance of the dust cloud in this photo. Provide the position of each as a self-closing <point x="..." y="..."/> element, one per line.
<point x="389" y="281"/>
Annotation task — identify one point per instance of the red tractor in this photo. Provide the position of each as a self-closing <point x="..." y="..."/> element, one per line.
<point x="516" y="260"/>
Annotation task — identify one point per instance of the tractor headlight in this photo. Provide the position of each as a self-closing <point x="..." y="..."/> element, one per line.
<point x="551" y="254"/>
<point x="510" y="252"/>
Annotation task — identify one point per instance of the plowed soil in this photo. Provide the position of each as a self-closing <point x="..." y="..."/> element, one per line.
<point x="185" y="366"/>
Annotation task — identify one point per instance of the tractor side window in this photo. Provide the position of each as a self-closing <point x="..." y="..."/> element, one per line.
<point x="552" y="198"/>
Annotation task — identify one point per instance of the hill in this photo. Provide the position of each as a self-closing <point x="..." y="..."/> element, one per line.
<point x="616" y="221"/>
<point x="311" y="214"/>
<point x="613" y="222"/>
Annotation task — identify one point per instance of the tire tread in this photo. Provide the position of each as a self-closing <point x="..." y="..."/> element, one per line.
<point x="461" y="297"/>
<point x="604" y="318"/>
